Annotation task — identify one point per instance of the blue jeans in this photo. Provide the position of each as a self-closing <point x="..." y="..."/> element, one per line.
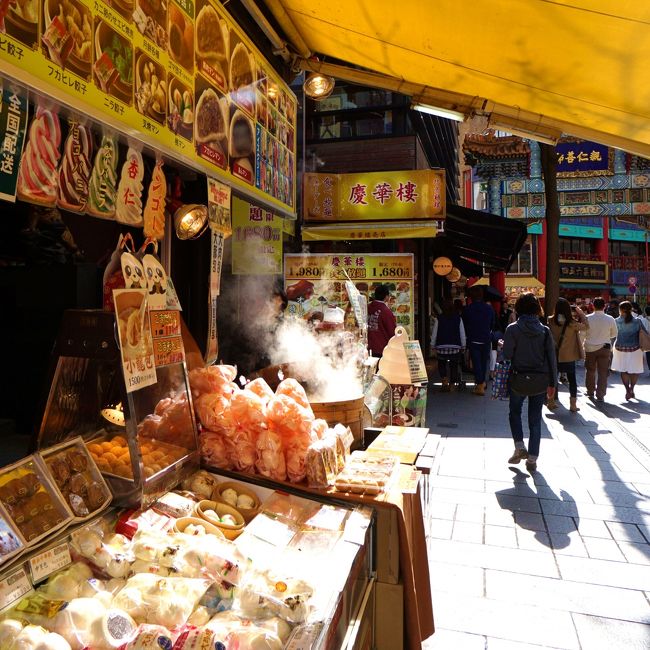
<point x="480" y="355"/>
<point x="569" y="367"/>
<point x="535" y="403"/>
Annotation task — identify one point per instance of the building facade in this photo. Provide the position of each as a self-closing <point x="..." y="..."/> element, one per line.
<point x="604" y="197"/>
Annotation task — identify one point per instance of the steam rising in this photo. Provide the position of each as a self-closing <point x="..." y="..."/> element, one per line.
<point x="325" y="362"/>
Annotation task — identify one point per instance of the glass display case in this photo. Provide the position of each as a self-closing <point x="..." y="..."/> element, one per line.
<point x="144" y="442"/>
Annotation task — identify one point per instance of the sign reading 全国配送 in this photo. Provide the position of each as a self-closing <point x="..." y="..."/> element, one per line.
<point x="13" y="123"/>
<point x="179" y="74"/>
<point x="317" y="280"/>
<point x="398" y="195"/>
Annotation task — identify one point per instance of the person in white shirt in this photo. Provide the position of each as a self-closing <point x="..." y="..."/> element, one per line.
<point x="598" y="349"/>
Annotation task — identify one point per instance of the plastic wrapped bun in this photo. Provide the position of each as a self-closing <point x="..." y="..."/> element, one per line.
<point x="150" y="637"/>
<point x="9" y="630"/>
<point x="76" y="621"/>
<point x="52" y="641"/>
<point x="211" y="379"/>
<point x="254" y="638"/>
<point x="260" y="388"/>
<point x="278" y="626"/>
<point x="293" y="389"/>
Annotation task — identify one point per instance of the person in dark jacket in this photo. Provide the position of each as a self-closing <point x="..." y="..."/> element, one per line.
<point x="479" y="320"/>
<point x="381" y="321"/>
<point x="529" y="346"/>
<point x="448" y="342"/>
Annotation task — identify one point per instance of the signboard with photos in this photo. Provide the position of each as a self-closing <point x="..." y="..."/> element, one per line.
<point x="317" y="280"/>
<point x="179" y="73"/>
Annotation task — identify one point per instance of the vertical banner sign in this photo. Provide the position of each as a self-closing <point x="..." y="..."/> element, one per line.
<point x="219" y="207"/>
<point x="312" y="281"/>
<point x="136" y="345"/>
<point x="257" y="240"/>
<point x="13" y="123"/>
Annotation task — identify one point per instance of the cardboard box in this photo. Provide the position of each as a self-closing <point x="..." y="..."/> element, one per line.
<point x="403" y="442"/>
<point x="387" y="559"/>
<point x="389" y="616"/>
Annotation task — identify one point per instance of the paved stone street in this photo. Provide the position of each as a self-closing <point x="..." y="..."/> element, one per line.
<point x="559" y="559"/>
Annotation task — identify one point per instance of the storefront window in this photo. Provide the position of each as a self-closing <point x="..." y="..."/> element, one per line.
<point x="523" y="265"/>
<point x="576" y="245"/>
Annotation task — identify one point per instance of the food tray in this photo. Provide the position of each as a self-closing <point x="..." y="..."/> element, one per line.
<point x="33" y="503"/>
<point x="366" y="474"/>
<point x="11" y="542"/>
<point x="113" y="457"/>
<point x="77" y="477"/>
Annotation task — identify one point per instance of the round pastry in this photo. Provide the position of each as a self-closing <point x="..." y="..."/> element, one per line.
<point x="119" y="566"/>
<point x="77" y="460"/>
<point x="245" y="501"/>
<point x="29" y="530"/>
<point x="78" y="505"/>
<point x="60" y="470"/>
<point x="80" y="571"/>
<point x="96" y="495"/>
<point x="52" y="641"/>
<point x="230" y="496"/>
<point x="17" y="512"/>
<point x="79" y="485"/>
<point x="8" y="494"/>
<point x="9" y="630"/>
<point x="18" y="488"/>
<point x="43" y="501"/>
<point x="31" y="484"/>
<point x="95" y="449"/>
<point x="109" y="457"/>
<point x="32" y="507"/>
<point x="29" y="636"/>
<point x="89" y="542"/>
<point x="107" y="446"/>
<point x="119" y="440"/>
<point x="63" y="586"/>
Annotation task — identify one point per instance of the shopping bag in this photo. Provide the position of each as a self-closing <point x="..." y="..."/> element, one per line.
<point x="501" y="382"/>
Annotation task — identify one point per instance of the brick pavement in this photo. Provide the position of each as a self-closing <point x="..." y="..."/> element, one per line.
<point x="557" y="560"/>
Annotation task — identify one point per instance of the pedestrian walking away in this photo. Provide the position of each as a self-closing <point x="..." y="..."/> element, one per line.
<point x="381" y="321"/>
<point x="598" y="350"/>
<point x="448" y="341"/>
<point x="528" y="345"/>
<point x="479" y="320"/>
<point x="628" y="356"/>
<point x="565" y="329"/>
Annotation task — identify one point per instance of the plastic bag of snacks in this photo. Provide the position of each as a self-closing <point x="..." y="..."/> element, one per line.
<point x="150" y="599"/>
<point x="240" y="632"/>
<point x="110" y="553"/>
<point x="15" y="636"/>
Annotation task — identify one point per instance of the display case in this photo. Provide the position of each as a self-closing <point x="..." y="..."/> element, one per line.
<point x="143" y="442"/>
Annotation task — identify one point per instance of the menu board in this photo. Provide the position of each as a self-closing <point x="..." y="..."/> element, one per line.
<point x="315" y="281"/>
<point x="180" y="73"/>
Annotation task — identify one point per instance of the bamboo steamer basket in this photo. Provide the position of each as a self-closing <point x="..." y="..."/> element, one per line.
<point x="348" y="412"/>
<point x="181" y="524"/>
<point x="247" y="513"/>
<point x="229" y="532"/>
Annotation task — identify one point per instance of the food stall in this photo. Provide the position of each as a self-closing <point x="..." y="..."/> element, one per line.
<point x="110" y="534"/>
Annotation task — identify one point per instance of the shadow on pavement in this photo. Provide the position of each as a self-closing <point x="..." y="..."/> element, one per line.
<point x="531" y="521"/>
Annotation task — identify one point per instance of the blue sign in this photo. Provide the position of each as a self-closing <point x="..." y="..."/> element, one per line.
<point x="582" y="156"/>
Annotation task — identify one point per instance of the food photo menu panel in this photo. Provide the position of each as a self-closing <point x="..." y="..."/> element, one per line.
<point x="180" y="72"/>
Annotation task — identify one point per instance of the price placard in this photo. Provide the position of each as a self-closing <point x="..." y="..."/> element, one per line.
<point x="417" y="369"/>
<point x="14" y="587"/>
<point x="50" y="561"/>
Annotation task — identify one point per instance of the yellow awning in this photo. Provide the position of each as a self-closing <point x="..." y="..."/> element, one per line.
<point x="369" y="230"/>
<point x="527" y="281"/>
<point x="541" y="65"/>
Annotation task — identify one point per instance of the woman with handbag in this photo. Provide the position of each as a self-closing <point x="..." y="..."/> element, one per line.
<point x="448" y="342"/>
<point x="628" y="353"/>
<point x="565" y="329"/>
<point x="529" y="347"/>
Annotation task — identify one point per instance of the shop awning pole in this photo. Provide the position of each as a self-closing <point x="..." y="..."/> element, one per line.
<point x="288" y="27"/>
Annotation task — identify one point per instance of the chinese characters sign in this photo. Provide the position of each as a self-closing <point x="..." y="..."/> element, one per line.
<point x="314" y="281"/>
<point x="179" y="75"/>
<point x="136" y="345"/>
<point x="13" y="122"/>
<point x="257" y="240"/>
<point x="582" y="157"/>
<point x="578" y="271"/>
<point x="219" y="207"/>
<point x="415" y="194"/>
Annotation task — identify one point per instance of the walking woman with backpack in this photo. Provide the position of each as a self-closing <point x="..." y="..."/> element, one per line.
<point x="569" y="347"/>
<point x="528" y="345"/>
<point x="628" y="355"/>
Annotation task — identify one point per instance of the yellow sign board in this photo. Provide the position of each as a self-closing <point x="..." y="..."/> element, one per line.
<point x="313" y="281"/>
<point x="256" y="240"/>
<point x="179" y="76"/>
<point x="390" y="196"/>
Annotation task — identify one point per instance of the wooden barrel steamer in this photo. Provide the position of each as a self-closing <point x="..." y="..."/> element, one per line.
<point x="348" y="412"/>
